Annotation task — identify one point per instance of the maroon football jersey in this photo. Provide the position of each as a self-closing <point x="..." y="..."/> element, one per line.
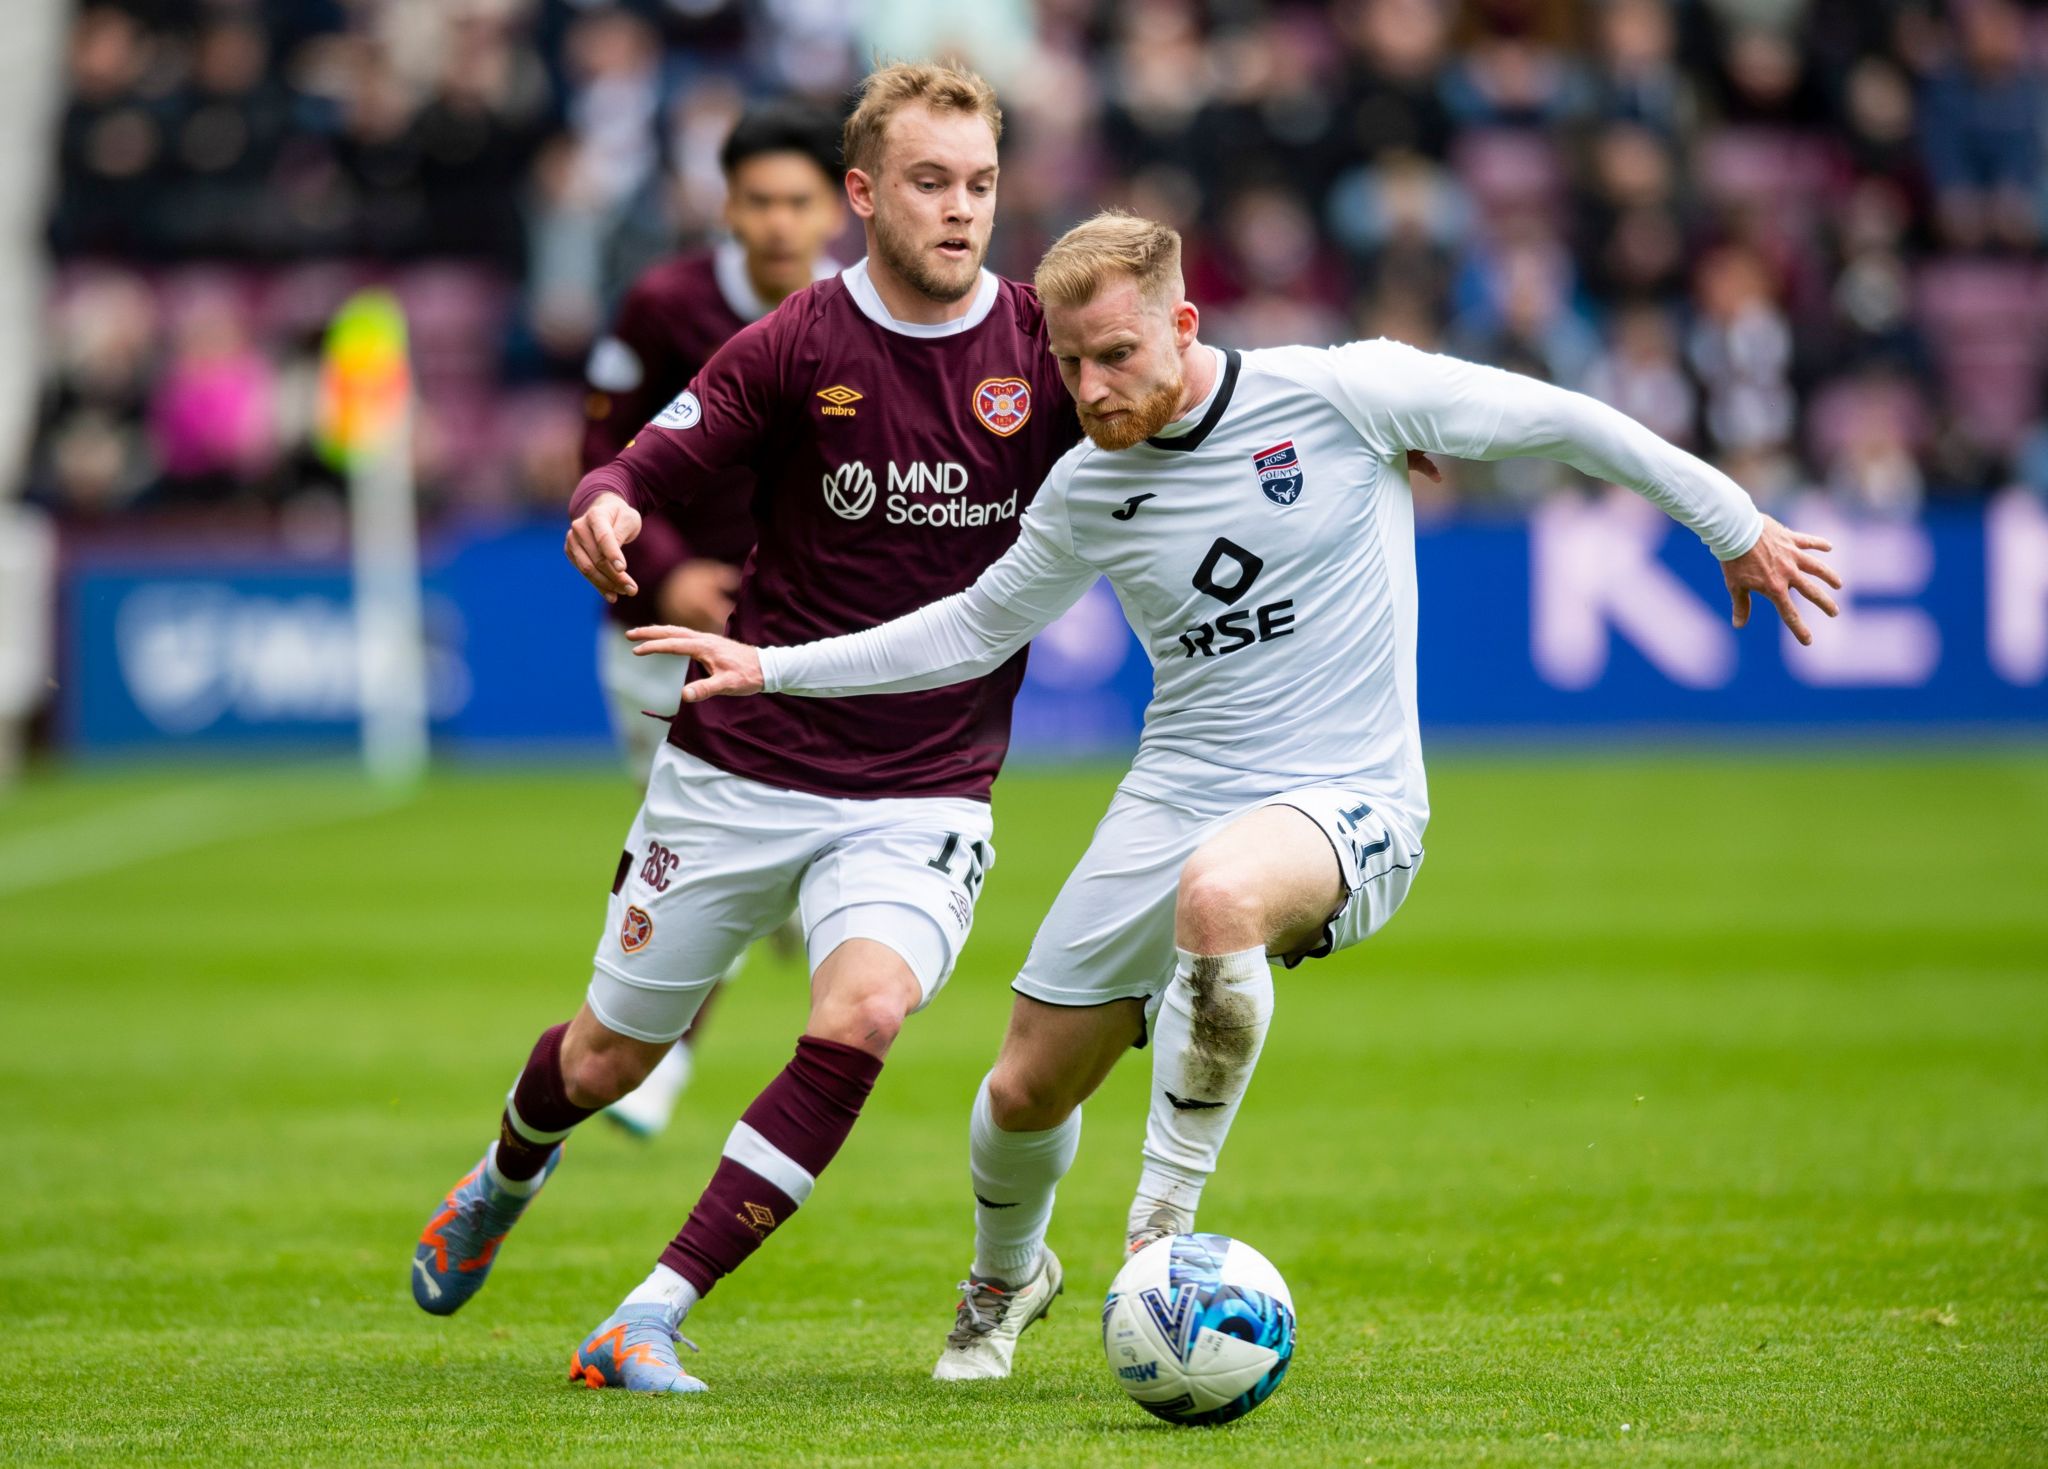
<point x="893" y="463"/>
<point x="668" y="326"/>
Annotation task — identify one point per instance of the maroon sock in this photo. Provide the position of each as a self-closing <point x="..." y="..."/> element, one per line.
<point x="540" y="1113"/>
<point x="781" y="1145"/>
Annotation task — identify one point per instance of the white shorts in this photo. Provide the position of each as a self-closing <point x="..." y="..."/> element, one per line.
<point x="1109" y="935"/>
<point x="634" y="688"/>
<point x="716" y="861"/>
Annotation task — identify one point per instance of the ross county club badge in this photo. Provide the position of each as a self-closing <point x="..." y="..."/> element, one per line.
<point x="1279" y="470"/>
<point x="1003" y="404"/>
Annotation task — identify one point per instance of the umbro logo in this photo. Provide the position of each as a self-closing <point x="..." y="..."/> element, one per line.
<point x="839" y="401"/>
<point x="1191" y="1104"/>
<point x="1131" y="506"/>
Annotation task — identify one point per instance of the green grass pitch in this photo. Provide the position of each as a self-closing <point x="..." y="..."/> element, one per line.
<point x="1695" y="1111"/>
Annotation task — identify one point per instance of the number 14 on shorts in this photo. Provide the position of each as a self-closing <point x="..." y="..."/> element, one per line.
<point x="965" y="861"/>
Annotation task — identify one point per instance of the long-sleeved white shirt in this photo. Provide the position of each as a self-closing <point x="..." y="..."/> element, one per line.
<point x="1264" y="549"/>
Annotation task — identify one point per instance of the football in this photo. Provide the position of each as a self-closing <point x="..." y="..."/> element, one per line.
<point x="1198" y="1328"/>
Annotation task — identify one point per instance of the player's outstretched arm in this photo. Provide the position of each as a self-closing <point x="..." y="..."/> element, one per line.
<point x="596" y="542"/>
<point x="949" y="641"/>
<point x="1420" y="400"/>
<point x="1757" y="554"/>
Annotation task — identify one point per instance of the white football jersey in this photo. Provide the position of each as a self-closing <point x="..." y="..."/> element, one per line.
<point x="1263" y="547"/>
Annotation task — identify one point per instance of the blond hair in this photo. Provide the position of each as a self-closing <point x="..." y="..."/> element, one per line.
<point x="1113" y="243"/>
<point x="941" y="86"/>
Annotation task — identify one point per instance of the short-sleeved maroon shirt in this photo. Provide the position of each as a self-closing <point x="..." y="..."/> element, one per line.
<point x="675" y="316"/>
<point x="891" y="468"/>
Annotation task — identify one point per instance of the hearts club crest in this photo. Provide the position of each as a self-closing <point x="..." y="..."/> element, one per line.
<point x="1003" y="404"/>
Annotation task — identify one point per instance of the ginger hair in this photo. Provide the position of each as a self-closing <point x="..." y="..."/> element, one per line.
<point x="1111" y="244"/>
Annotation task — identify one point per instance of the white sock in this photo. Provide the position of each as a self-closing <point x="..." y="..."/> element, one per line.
<point x="664" y="1288"/>
<point x="1175" y="1190"/>
<point x="519" y="1188"/>
<point x="1014" y="1174"/>
<point x="1205" y="1045"/>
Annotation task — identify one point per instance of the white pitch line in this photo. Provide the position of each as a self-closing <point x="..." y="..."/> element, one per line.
<point x="180" y="820"/>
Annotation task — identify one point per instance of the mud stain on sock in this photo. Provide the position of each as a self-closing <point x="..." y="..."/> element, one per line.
<point x="1223" y="1031"/>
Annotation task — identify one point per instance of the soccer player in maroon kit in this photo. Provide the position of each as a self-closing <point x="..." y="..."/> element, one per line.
<point x="782" y="208"/>
<point x="897" y="421"/>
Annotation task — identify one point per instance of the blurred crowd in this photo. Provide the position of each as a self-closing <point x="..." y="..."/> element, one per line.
<point x="1801" y="237"/>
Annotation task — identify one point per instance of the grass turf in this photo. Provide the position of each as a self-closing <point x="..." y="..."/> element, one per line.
<point x="1694" y="1112"/>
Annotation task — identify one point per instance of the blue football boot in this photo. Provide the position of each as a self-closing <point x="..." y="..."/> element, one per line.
<point x="635" y="1349"/>
<point x="460" y="1243"/>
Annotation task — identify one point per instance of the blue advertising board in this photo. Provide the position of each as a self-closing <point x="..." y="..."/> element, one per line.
<point x="1606" y="614"/>
<point x="1590" y="615"/>
<point x="254" y="654"/>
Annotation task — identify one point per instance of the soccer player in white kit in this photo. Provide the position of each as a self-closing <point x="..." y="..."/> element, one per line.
<point x="1252" y="513"/>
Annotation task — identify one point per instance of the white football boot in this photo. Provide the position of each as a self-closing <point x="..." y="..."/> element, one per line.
<point x="990" y="1318"/>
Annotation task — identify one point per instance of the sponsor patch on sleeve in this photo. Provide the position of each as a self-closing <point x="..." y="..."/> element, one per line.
<point x="685" y="412"/>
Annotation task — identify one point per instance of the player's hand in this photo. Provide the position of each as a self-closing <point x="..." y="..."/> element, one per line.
<point x="1780" y="563"/>
<point x="1420" y="463"/>
<point x="596" y="545"/>
<point x="699" y="594"/>
<point x="729" y="667"/>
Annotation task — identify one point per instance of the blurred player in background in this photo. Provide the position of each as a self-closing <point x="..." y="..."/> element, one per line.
<point x="1252" y="511"/>
<point x="897" y="421"/>
<point x="783" y="207"/>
